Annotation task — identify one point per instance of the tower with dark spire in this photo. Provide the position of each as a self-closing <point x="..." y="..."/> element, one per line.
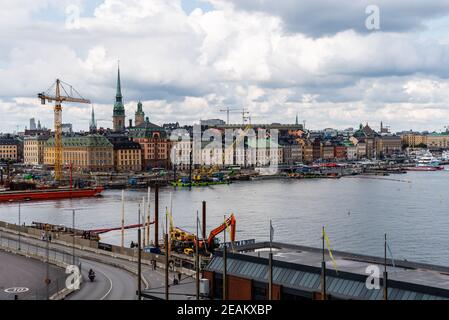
<point x="296" y="121"/>
<point x="139" y="116"/>
<point x="93" y="122"/>
<point x="118" y="117"/>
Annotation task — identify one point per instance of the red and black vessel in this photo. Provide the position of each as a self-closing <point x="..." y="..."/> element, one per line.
<point x="49" y="194"/>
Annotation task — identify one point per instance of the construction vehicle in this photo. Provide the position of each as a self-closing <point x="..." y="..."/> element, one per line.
<point x="185" y="242"/>
<point x="58" y="99"/>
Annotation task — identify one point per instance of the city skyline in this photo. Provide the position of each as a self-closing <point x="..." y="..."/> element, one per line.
<point x="191" y="58"/>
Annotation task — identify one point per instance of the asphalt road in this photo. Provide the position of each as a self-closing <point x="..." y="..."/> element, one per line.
<point x="110" y="283"/>
<point x="19" y="271"/>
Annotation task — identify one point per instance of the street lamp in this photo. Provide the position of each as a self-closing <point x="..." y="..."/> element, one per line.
<point x="19" y="226"/>
<point x="73" y="210"/>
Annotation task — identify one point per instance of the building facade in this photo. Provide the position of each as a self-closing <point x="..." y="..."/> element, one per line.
<point x="86" y="153"/>
<point x="413" y="140"/>
<point x="154" y="143"/>
<point x="11" y="148"/>
<point x="127" y="154"/>
<point x="33" y="150"/>
<point x="438" y="141"/>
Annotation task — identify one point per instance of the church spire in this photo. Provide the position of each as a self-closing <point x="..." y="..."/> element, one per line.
<point x="296" y="121"/>
<point x="118" y="117"/>
<point x="118" y="95"/>
<point x="93" y="123"/>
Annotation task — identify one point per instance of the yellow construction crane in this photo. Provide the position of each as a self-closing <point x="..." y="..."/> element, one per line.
<point x="69" y="92"/>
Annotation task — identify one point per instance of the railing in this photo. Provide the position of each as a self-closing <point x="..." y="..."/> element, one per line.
<point x="51" y="256"/>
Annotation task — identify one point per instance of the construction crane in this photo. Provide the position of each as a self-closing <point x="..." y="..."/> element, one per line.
<point x="228" y="110"/>
<point x="58" y="99"/>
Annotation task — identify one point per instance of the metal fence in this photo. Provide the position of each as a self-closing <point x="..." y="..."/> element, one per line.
<point x="46" y="255"/>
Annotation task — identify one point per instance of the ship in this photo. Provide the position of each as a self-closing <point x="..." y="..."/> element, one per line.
<point x="49" y="194"/>
<point x="427" y="162"/>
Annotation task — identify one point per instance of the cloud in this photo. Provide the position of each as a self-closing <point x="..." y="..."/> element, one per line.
<point x="273" y="58"/>
<point x="328" y="17"/>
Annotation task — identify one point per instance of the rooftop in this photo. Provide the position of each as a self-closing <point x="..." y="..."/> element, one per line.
<point x="298" y="267"/>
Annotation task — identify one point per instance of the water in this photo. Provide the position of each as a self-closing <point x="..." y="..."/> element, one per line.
<point x="411" y="208"/>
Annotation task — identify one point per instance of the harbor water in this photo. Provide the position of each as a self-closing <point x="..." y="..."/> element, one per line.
<point x="412" y="208"/>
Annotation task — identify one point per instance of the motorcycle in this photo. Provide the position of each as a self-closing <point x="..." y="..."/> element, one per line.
<point x="92" y="276"/>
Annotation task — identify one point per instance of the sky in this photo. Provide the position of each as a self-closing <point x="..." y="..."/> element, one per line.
<point x="334" y="63"/>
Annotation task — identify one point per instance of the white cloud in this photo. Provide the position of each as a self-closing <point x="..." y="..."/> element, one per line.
<point x="187" y="66"/>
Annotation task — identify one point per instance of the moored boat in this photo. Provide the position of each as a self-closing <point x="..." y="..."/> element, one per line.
<point x="49" y="194"/>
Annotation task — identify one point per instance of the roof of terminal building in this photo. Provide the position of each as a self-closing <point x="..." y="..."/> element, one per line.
<point x="94" y="140"/>
<point x="298" y="267"/>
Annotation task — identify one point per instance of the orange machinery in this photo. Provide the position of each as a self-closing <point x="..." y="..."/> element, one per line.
<point x="211" y="242"/>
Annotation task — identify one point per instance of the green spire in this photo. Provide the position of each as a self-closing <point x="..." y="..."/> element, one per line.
<point x="119" y="109"/>
<point x="118" y="95"/>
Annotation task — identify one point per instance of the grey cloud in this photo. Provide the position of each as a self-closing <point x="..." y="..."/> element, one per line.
<point x="327" y="17"/>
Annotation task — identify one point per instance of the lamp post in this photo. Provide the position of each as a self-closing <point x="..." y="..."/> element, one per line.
<point x="19" y="226"/>
<point x="73" y="211"/>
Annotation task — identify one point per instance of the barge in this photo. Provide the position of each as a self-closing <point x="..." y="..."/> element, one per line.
<point x="49" y="194"/>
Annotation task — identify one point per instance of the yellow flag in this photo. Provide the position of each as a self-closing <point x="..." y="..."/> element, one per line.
<point x="328" y="244"/>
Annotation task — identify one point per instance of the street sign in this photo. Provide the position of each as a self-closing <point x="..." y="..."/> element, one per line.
<point x="16" y="290"/>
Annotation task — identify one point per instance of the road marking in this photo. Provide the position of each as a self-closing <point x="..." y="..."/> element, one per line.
<point x="110" y="288"/>
<point x="16" y="290"/>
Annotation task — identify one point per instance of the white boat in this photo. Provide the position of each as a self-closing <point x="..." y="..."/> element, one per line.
<point x="445" y="156"/>
<point x="427" y="160"/>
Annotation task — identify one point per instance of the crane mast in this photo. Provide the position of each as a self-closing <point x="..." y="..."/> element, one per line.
<point x="58" y="99"/>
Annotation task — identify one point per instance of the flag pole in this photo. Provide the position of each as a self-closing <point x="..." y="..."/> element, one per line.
<point x="270" y="266"/>
<point x="323" y="271"/>
<point x="197" y="259"/>
<point x="225" y="291"/>
<point x="385" y="278"/>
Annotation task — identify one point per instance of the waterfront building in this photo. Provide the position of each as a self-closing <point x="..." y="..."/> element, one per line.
<point x="366" y="137"/>
<point x="438" y="141"/>
<point x="351" y="150"/>
<point x="316" y="149"/>
<point x="263" y="152"/>
<point x="387" y="145"/>
<point x="180" y="153"/>
<point x="413" y="140"/>
<point x="307" y="152"/>
<point x="118" y="116"/>
<point x="212" y="122"/>
<point x="292" y="152"/>
<point x="11" y="148"/>
<point x="340" y="152"/>
<point x="88" y="153"/>
<point x="33" y="150"/>
<point x="327" y="151"/>
<point x="154" y="143"/>
<point x="127" y="153"/>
